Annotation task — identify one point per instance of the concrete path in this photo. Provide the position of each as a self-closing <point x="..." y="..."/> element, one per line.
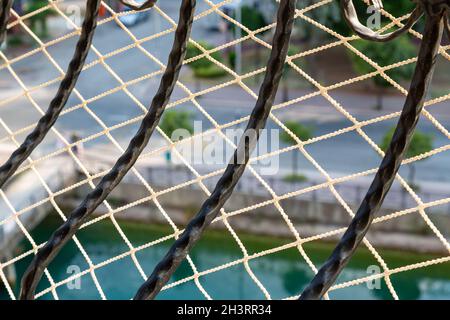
<point x="27" y="189"/>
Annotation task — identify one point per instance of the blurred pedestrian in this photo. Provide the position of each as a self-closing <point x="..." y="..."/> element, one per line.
<point x="77" y="146"/>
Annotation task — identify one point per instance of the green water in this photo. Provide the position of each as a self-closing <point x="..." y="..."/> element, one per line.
<point x="283" y="274"/>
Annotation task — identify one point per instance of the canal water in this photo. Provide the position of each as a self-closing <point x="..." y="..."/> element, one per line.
<point x="283" y="274"/>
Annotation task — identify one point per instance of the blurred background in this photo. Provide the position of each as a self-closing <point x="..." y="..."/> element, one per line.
<point x="334" y="114"/>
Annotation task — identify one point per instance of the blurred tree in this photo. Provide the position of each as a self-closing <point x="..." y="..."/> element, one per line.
<point x="311" y="36"/>
<point x="232" y="59"/>
<point x="253" y="19"/>
<point x="330" y="16"/>
<point x="300" y="131"/>
<point x="384" y="54"/>
<point x="174" y="120"/>
<point x="286" y="71"/>
<point x="193" y="51"/>
<point x="203" y="67"/>
<point x="397" y="8"/>
<point x="39" y="19"/>
<point x="421" y="142"/>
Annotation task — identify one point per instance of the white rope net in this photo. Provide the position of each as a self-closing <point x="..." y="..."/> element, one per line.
<point x="33" y="94"/>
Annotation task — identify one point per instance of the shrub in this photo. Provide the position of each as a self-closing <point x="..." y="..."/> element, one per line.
<point x="192" y="51"/>
<point x="210" y="72"/>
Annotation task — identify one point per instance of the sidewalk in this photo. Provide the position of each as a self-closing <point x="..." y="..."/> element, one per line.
<point x="26" y="189"/>
<point x="157" y="171"/>
<point x="357" y="104"/>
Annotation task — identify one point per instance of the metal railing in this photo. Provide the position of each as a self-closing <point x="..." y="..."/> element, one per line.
<point x="437" y="22"/>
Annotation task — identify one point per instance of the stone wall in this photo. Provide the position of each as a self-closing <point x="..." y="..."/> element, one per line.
<point x="309" y="218"/>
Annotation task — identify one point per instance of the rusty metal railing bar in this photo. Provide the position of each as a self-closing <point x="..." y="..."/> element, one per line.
<point x="125" y="162"/>
<point x="437" y="22"/>
<point x="435" y="15"/>
<point x="350" y="16"/>
<point x="66" y="86"/>
<point x="5" y="8"/>
<point x="236" y="167"/>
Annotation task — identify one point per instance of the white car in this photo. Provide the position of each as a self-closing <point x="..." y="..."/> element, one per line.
<point x="133" y="18"/>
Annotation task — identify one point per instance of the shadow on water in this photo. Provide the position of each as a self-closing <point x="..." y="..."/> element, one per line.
<point x="283" y="274"/>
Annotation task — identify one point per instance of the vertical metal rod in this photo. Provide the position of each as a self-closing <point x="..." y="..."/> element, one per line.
<point x="390" y="164"/>
<point x="66" y="86"/>
<point x="125" y="162"/>
<point x="225" y="186"/>
<point x="5" y="8"/>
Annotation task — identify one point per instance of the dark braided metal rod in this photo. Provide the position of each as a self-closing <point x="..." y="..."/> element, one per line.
<point x="447" y="24"/>
<point x="137" y="144"/>
<point x="5" y="8"/>
<point x="57" y="104"/>
<point x="351" y="17"/>
<point x="138" y="5"/>
<point x="390" y="164"/>
<point x="225" y="186"/>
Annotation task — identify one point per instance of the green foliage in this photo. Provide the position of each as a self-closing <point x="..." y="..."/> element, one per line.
<point x="301" y="131"/>
<point x="209" y="72"/>
<point x="397" y="8"/>
<point x="251" y="18"/>
<point x="291" y="51"/>
<point x="174" y="120"/>
<point x="14" y="40"/>
<point x="204" y="68"/>
<point x="34" y="5"/>
<point x="329" y="15"/>
<point x="295" y="178"/>
<point x="232" y="59"/>
<point x="421" y="142"/>
<point x="39" y="18"/>
<point x="192" y="51"/>
<point x="385" y="54"/>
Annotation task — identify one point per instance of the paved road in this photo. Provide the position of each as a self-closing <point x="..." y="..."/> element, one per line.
<point x="346" y="153"/>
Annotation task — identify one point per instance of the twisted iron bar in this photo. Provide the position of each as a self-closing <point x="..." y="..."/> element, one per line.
<point x="5" y="8"/>
<point x="351" y="17"/>
<point x="447" y="24"/>
<point x="137" y="144"/>
<point x="225" y="186"/>
<point x="434" y="12"/>
<point x="138" y="6"/>
<point x="62" y="95"/>
<point x="46" y="122"/>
